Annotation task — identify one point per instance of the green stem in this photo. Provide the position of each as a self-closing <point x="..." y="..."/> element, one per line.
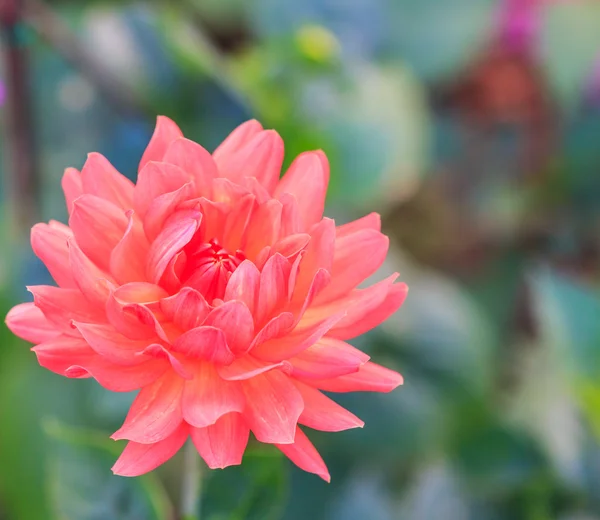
<point x="191" y="483"/>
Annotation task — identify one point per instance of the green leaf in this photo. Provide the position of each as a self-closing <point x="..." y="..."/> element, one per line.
<point x="81" y="486"/>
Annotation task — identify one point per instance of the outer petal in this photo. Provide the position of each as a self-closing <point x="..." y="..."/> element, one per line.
<point x="307" y="179"/>
<point x="263" y="230"/>
<point x="247" y="367"/>
<point x="138" y="459"/>
<point x="90" y="280"/>
<point x="49" y="244"/>
<point x="207" y="397"/>
<point x="237" y="139"/>
<point x="28" y="322"/>
<point x="155" y="413"/>
<point x="100" y="178"/>
<point x="357" y="256"/>
<point x="165" y="133"/>
<point x="369" y="378"/>
<point x="370" y="221"/>
<point x="305" y="455"/>
<point x="71" y="185"/>
<point x="273" y="405"/>
<point x="98" y="226"/>
<point x="273" y="291"/>
<point x="321" y="413"/>
<point x="61" y="306"/>
<point x="223" y="443"/>
<point x="205" y="343"/>
<point x="328" y="358"/>
<point x="163" y="206"/>
<point x="194" y="160"/>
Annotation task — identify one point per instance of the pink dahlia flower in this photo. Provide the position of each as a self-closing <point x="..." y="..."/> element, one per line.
<point x="218" y="291"/>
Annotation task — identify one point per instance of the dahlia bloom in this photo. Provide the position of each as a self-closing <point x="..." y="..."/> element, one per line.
<point x="218" y="291"/>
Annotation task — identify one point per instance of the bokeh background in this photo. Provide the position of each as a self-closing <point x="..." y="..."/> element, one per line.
<point x="472" y="126"/>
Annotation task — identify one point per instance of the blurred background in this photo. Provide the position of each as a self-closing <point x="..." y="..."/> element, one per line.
<point x="472" y="126"/>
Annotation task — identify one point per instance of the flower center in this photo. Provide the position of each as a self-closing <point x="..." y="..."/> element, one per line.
<point x="209" y="268"/>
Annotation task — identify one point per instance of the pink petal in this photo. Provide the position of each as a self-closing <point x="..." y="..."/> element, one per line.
<point x="163" y="206"/>
<point x="247" y="367"/>
<point x="321" y="413"/>
<point x="62" y="306"/>
<point x="261" y="157"/>
<point x="321" y="281"/>
<point x="90" y="280"/>
<point x="243" y="285"/>
<point x="158" y="351"/>
<point x="357" y="256"/>
<point x="276" y="327"/>
<point x="327" y="358"/>
<point x="237" y="221"/>
<point x="305" y="455"/>
<point x="369" y="378"/>
<point x="165" y="133"/>
<point x="237" y="139"/>
<point x="362" y="319"/>
<point x="318" y="255"/>
<point x="307" y="179"/>
<point x="206" y="343"/>
<point x="71" y="185"/>
<point x="291" y="245"/>
<point x="73" y="357"/>
<point x="156" y="179"/>
<point x="294" y="343"/>
<point x="98" y="226"/>
<point x="138" y="459"/>
<point x="100" y="178"/>
<point x="235" y="320"/>
<point x="273" y="291"/>
<point x="28" y="322"/>
<point x="155" y="413"/>
<point x="291" y="219"/>
<point x="172" y="239"/>
<point x="194" y="160"/>
<point x="187" y="309"/>
<point x="207" y="397"/>
<point x="49" y="244"/>
<point x="112" y="345"/>
<point x="273" y="405"/>
<point x="223" y="443"/>
<point x="370" y="221"/>
<point x="128" y="258"/>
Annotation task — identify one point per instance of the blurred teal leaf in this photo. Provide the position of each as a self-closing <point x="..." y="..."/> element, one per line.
<point x="81" y="485"/>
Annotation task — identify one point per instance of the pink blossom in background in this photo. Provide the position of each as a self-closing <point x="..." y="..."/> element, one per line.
<point x="2" y="93"/>
<point x="218" y="291"/>
<point x="519" y="24"/>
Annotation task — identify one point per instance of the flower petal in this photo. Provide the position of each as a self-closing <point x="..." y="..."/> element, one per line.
<point x="369" y="378"/>
<point x="194" y="160"/>
<point x="235" y="320"/>
<point x="237" y="139"/>
<point x="307" y="179"/>
<point x="357" y="256"/>
<point x="305" y="455"/>
<point x="187" y="309"/>
<point x="71" y="185"/>
<point x="327" y="358"/>
<point x="237" y="222"/>
<point x="112" y="345"/>
<point x="273" y="405"/>
<point x="156" y="179"/>
<point x="207" y="397"/>
<point x="28" y="322"/>
<point x="370" y="221"/>
<point x="90" y="280"/>
<point x="100" y="178"/>
<point x="165" y="133"/>
<point x="206" y="343"/>
<point x="247" y="367"/>
<point x="222" y="444"/>
<point x="263" y="228"/>
<point x="49" y="243"/>
<point x="172" y="239"/>
<point x="243" y="285"/>
<point x="155" y="413"/>
<point x="127" y="260"/>
<point x="138" y="459"/>
<point x="273" y="291"/>
<point x="321" y="413"/>
<point x="98" y="226"/>
<point x="163" y="206"/>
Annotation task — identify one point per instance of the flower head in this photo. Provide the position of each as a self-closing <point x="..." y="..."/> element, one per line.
<point x="215" y="289"/>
